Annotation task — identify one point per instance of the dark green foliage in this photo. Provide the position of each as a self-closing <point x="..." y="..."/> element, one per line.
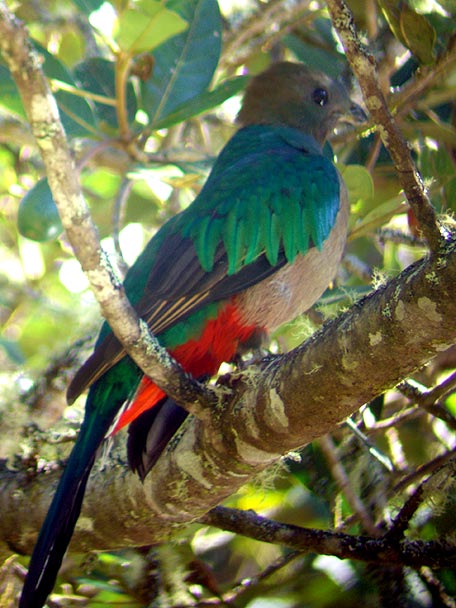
<point x="38" y="218"/>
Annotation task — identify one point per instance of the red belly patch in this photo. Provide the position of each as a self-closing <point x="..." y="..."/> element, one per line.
<point x="203" y="356"/>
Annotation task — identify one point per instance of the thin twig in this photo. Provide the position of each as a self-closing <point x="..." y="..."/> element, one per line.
<point x="364" y="67"/>
<point x="430" y="399"/>
<point x="376" y="453"/>
<point x="397" y="236"/>
<point x="64" y="86"/>
<point x="246" y="584"/>
<point x="117" y="212"/>
<point x="425" y="469"/>
<point x="402" y="520"/>
<point x="345" y="546"/>
<point x="439" y="596"/>
<point x="341" y="478"/>
<point x="257" y="27"/>
<point x="123" y="64"/>
<point x="424" y="80"/>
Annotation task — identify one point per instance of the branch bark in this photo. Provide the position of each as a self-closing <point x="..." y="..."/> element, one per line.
<point x="364" y="68"/>
<point x="345" y="546"/>
<point x="281" y="407"/>
<point x="39" y="103"/>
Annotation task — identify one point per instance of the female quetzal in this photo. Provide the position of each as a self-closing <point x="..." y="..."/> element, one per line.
<point x="257" y="246"/>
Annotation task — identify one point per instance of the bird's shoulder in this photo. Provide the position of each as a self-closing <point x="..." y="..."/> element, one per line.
<point x="271" y="187"/>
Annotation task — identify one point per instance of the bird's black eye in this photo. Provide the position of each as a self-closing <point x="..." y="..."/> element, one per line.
<point x="320" y="96"/>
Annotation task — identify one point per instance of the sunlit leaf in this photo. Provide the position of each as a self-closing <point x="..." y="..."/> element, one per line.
<point x="8" y="174"/>
<point x="76" y="113"/>
<point x="38" y="218"/>
<point x="450" y="403"/>
<point x="358" y="181"/>
<point x="146" y="26"/>
<point x="72" y="47"/>
<point x="41" y="327"/>
<point x="379" y="216"/>
<point x="392" y="14"/>
<point x="96" y="75"/>
<point x="202" y="103"/>
<point x="9" y="95"/>
<point x="185" y="64"/>
<point x="418" y="34"/>
<point x="412" y="29"/>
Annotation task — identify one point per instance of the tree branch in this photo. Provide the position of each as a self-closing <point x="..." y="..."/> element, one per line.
<point x="40" y="106"/>
<point x="283" y="406"/>
<point x="364" y="68"/>
<point x="345" y="546"/>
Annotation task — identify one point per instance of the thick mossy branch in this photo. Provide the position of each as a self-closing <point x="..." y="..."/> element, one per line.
<point x="283" y="405"/>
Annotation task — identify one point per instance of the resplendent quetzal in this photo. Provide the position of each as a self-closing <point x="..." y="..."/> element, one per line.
<point x="258" y="246"/>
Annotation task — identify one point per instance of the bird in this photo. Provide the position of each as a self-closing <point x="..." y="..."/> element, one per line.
<point x="258" y="246"/>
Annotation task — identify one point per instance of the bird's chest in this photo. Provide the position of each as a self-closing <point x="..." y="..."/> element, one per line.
<point x="296" y="287"/>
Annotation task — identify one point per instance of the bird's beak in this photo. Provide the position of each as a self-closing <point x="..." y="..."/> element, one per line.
<point x="356" y="114"/>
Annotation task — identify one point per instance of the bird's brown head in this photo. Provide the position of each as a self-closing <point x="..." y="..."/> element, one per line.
<point x="291" y="94"/>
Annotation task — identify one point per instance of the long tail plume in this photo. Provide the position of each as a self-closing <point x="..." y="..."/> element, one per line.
<point x="58" y="527"/>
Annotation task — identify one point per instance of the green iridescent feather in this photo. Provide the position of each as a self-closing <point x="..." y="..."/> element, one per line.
<point x="271" y="188"/>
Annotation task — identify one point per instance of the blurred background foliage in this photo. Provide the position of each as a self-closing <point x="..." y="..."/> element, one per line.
<point x="148" y="92"/>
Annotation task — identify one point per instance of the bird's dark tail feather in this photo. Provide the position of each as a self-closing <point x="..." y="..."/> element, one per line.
<point x="54" y="537"/>
<point x="150" y="433"/>
<point x="58" y="527"/>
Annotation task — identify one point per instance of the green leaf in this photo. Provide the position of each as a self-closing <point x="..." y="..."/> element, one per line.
<point x="184" y="65"/>
<point x="72" y="47"/>
<point x="449" y="191"/>
<point x="13" y="350"/>
<point x="379" y="216"/>
<point x="38" y="218"/>
<point x="203" y="102"/>
<point x="97" y="75"/>
<point x="75" y="112"/>
<point x="392" y="14"/>
<point x="88" y="6"/>
<point x="316" y="47"/>
<point x="443" y="133"/>
<point x="450" y="404"/>
<point x="419" y="35"/>
<point x="358" y="181"/>
<point x="8" y="175"/>
<point x="9" y="95"/>
<point x="146" y="26"/>
<point x="437" y="164"/>
<point x="412" y="29"/>
<point x="315" y="57"/>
